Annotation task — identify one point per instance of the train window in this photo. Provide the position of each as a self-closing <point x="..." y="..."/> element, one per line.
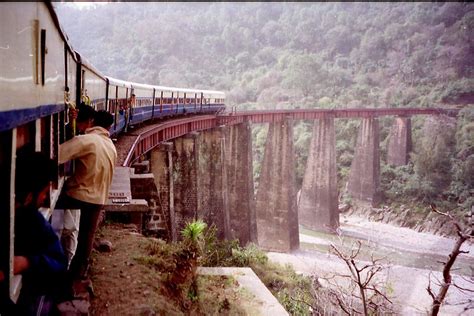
<point x="43" y="55"/>
<point x="46" y="135"/>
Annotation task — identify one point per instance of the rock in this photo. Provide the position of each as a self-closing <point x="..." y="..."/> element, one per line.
<point x="83" y="289"/>
<point x="74" y="308"/>
<point x="101" y="218"/>
<point x="145" y="310"/>
<point x="344" y="208"/>
<point x="104" y="245"/>
<point x="131" y="227"/>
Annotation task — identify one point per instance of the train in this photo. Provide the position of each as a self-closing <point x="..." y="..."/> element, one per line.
<point x="41" y="77"/>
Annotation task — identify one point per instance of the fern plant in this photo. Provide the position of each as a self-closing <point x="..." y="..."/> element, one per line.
<point x="193" y="232"/>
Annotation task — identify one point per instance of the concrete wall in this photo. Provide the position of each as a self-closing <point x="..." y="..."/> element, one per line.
<point x="277" y="215"/>
<point x="318" y="205"/>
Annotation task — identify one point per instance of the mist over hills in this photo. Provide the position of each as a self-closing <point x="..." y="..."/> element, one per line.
<point x="305" y="54"/>
<point x="309" y="55"/>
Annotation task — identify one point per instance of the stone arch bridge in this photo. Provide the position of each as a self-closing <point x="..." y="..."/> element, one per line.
<point x="201" y="167"/>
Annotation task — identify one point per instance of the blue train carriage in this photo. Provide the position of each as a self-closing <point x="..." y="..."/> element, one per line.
<point x="37" y="79"/>
<point x="212" y="101"/>
<point x="142" y="104"/>
<point x="167" y="104"/>
<point x="118" y="100"/>
<point x="91" y="84"/>
<point x="190" y="100"/>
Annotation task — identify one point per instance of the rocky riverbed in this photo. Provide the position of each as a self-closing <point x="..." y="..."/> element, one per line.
<point x="410" y="258"/>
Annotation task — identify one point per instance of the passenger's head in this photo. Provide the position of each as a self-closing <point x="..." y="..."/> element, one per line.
<point x="85" y="117"/>
<point x="34" y="171"/>
<point x="103" y="119"/>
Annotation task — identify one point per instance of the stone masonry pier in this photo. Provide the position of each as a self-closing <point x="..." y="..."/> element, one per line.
<point x="162" y="168"/>
<point x="277" y="214"/>
<point x="318" y="206"/>
<point x="212" y="181"/>
<point x="185" y="197"/>
<point x="399" y="144"/>
<point x="240" y="189"/>
<point x="364" y="177"/>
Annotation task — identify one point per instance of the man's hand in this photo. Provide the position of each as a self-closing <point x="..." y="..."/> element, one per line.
<point x="20" y="264"/>
<point x="73" y="113"/>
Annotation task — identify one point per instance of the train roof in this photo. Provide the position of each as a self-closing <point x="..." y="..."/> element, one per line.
<point x="184" y="90"/>
<point x="83" y="61"/>
<point x="63" y="34"/>
<point x="118" y="82"/>
<point x="141" y="86"/>
<point x="129" y="84"/>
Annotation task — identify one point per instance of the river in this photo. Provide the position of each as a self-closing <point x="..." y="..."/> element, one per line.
<point x="409" y="259"/>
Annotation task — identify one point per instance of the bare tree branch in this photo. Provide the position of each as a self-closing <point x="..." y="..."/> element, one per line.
<point x="447" y="278"/>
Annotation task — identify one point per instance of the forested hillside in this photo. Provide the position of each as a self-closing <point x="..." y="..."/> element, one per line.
<point x="342" y="54"/>
<point x="278" y="55"/>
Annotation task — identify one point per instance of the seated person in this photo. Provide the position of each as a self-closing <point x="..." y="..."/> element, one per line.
<point x="38" y="253"/>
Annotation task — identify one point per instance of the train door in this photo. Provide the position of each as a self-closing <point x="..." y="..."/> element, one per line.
<point x="172" y="102"/>
<point x="153" y="104"/>
<point x="127" y="110"/>
<point x="161" y="102"/>
<point x="177" y="102"/>
<point x="116" y="112"/>
<point x="185" y="103"/>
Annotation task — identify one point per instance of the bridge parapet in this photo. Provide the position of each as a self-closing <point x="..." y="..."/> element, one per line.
<point x="272" y="116"/>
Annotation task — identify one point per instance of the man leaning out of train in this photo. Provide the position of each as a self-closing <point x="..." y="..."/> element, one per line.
<point x="66" y="221"/>
<point x="87" y="189"/>
<point x="38" y="254"/>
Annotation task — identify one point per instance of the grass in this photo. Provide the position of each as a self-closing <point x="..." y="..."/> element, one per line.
<point x="222" y="295"/>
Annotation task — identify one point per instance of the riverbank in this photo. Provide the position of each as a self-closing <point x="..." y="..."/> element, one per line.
<point x="410" y="259"/>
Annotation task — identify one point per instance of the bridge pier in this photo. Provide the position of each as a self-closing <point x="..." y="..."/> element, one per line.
<point x="399" y="143"/>
<point x="162" y="168"/>
<point x="185" y="193"/>
<point x="364" y="177"/>
<point x="277" y="215"/>
<point x="318" y="206"/>
<point x="240" y="189"/>
<point x="211" y="178"/>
